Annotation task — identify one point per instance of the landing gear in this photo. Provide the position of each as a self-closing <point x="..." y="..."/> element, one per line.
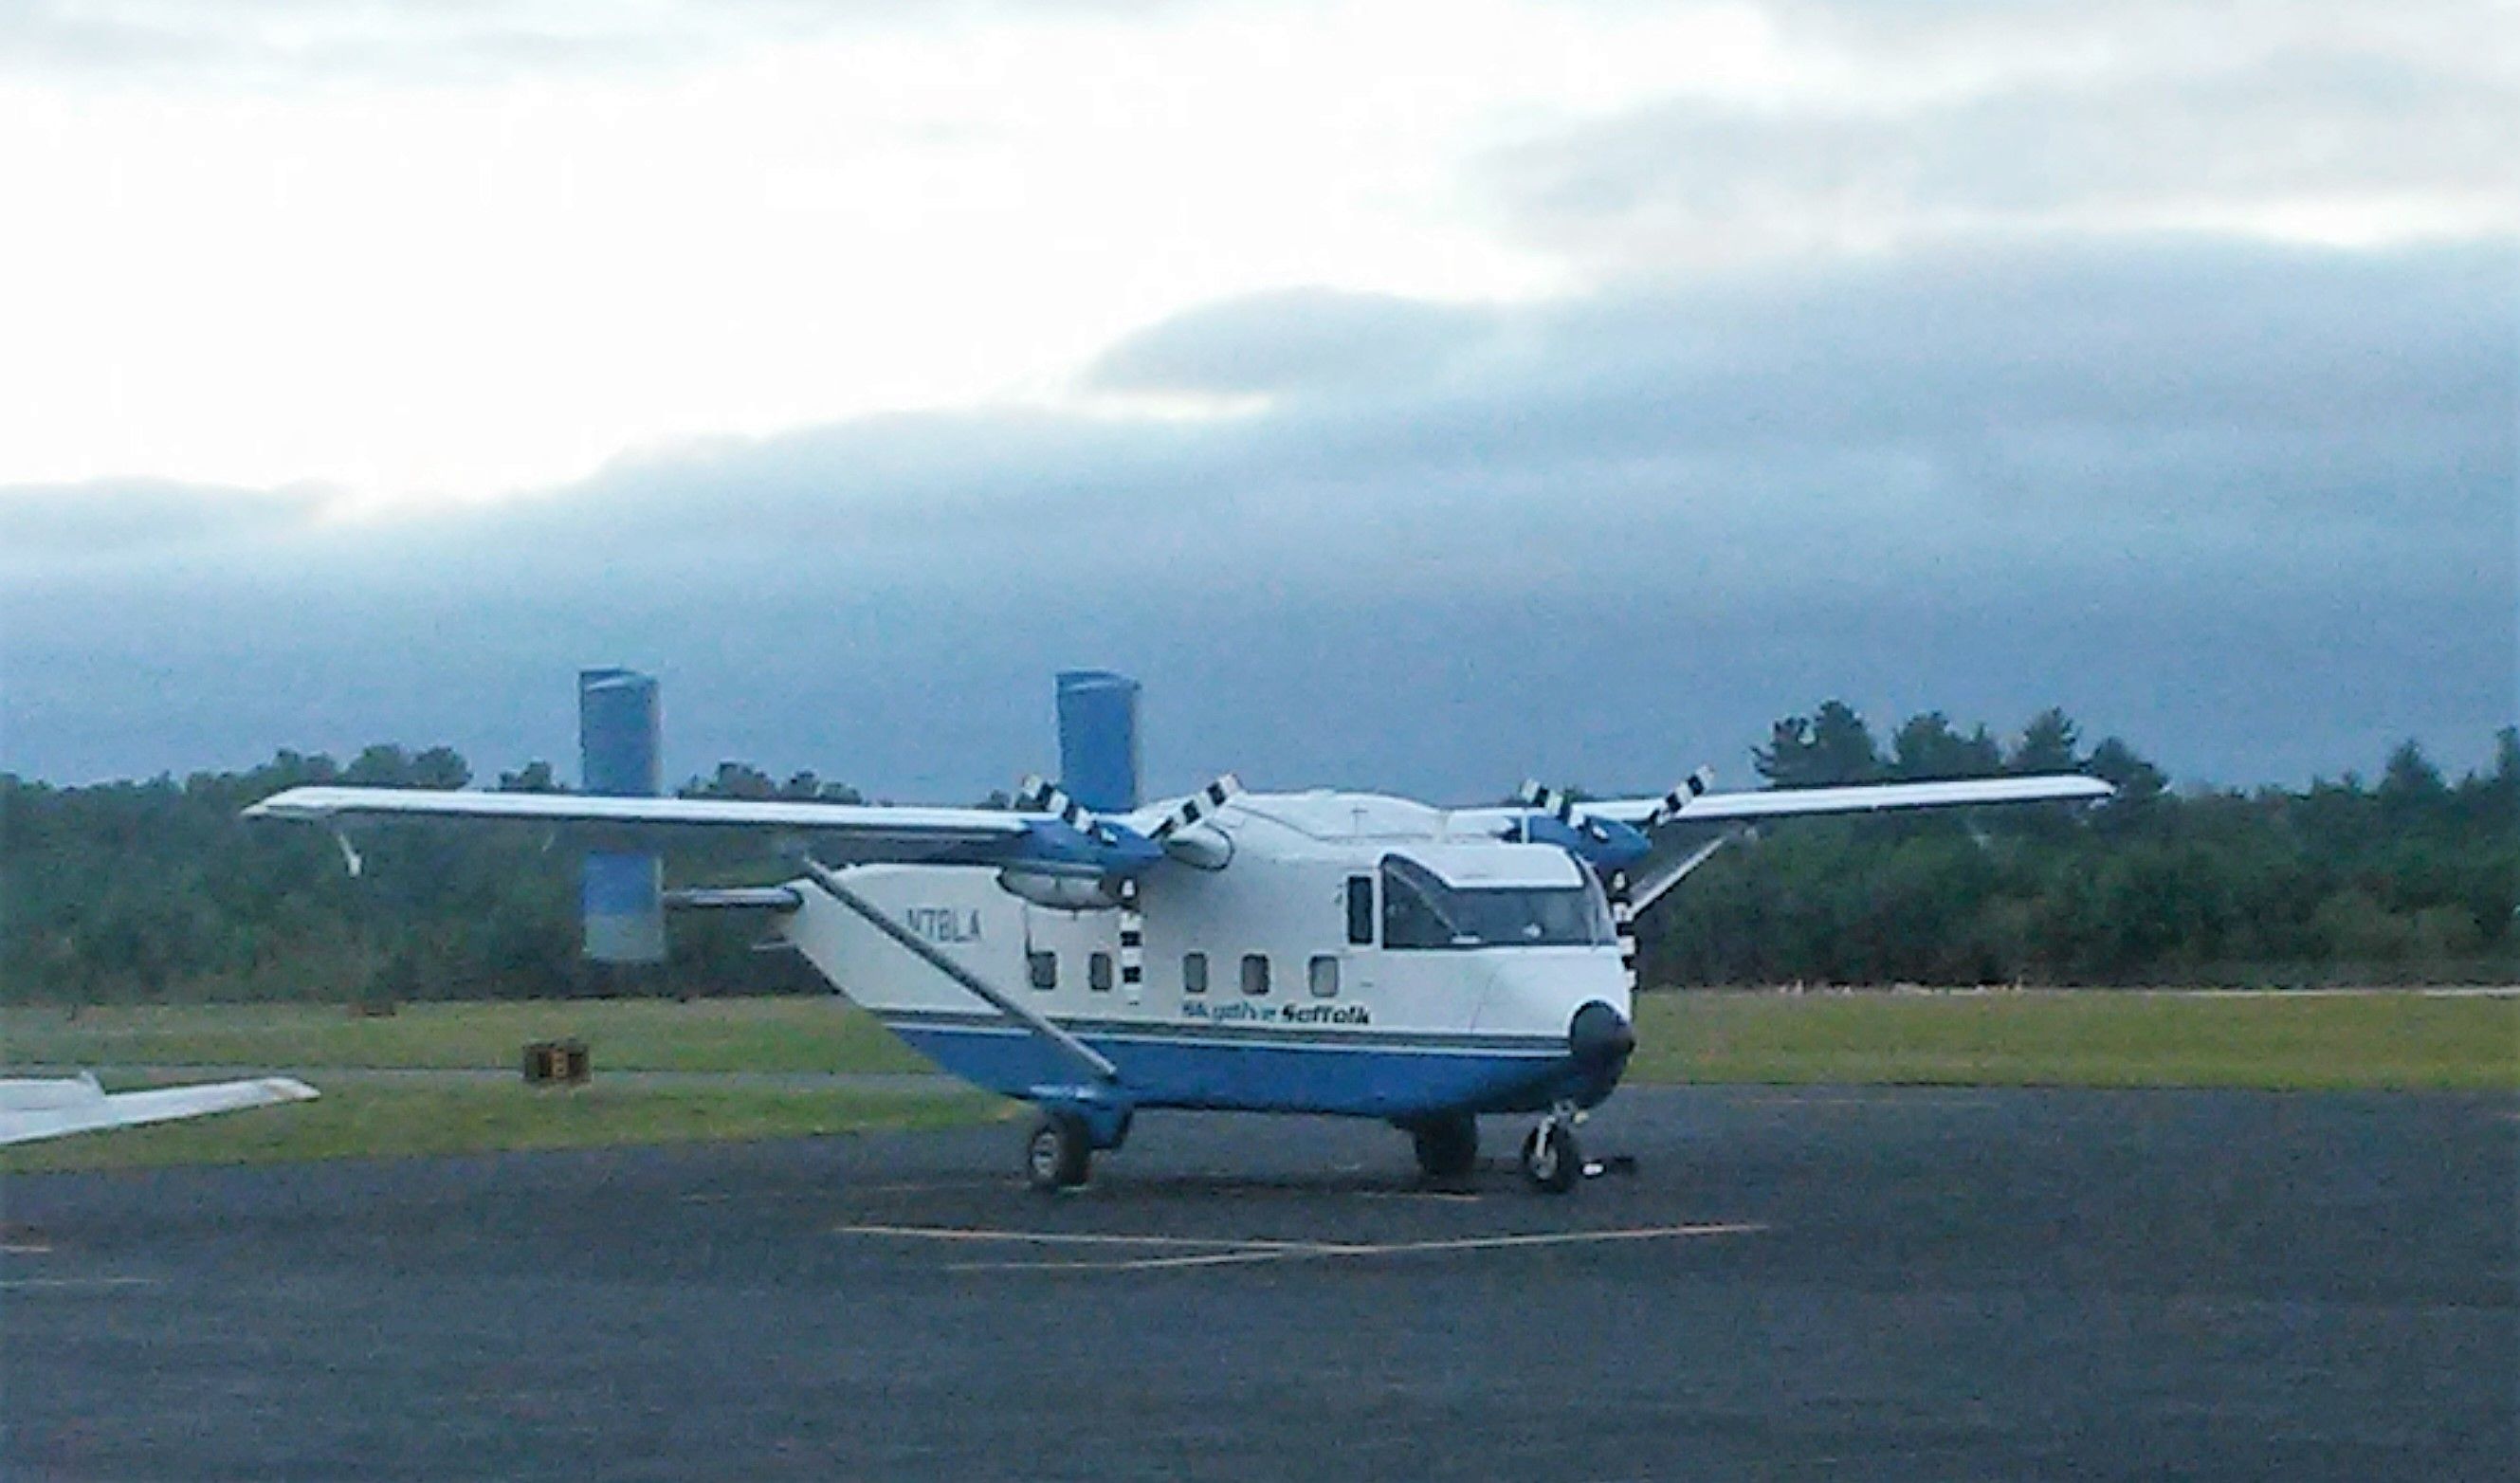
<point x="1448" y="1148"/>
<point x="1061" y="1152"/>
<point x="1552" y="1160"/>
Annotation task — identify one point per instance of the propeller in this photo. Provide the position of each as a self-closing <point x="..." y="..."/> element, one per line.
<point x="1691" y="788"/>
<point x="1610" y="847"/>
<point x="1180" y="835"/>
<point x="1037" y="794"/>
<point x="1040" y="796"/>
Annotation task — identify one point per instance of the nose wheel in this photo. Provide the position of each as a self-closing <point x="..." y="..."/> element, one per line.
<point x="1552" y="1160"/>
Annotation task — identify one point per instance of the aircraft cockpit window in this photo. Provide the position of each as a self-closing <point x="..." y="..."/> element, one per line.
<point x="1421" y="911"/>
<point x="1193" y="972"/>
<point x="1255" y="973"/>
<point x="1043" y="968"/>
<point x="1097" y="972"/>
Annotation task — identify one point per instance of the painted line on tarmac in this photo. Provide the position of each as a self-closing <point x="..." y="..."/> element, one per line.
<point x="1071" y="1237"/>
<point x="1566" y="1237"/>
<point x="1334" y="1250"/>
<point x="1228" y="1251"/>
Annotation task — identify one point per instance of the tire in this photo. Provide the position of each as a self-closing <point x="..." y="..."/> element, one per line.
<point x="1552" y="1160"/>
<point x="1059" y="1153"/>
<point x="1448" y="1148"/>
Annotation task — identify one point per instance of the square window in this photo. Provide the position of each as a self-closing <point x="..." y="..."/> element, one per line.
<point x="1043" y="970"/>
<point x="1193" y="972"/>
<point x="1323" y="976"/>
<point x="1097" y="972"/>
<point x="1255" y="973"/>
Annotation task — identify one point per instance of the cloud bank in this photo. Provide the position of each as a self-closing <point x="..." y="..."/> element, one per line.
<point x="2251" y="507"/>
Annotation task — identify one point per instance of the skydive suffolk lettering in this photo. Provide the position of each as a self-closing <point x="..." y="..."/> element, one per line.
<point x="1285" y="1014"/>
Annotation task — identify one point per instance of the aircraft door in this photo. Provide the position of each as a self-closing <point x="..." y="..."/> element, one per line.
<point x="1363" y="914"/>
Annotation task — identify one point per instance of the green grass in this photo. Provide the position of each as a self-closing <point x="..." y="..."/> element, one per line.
<point x="2094" y="1038"/>
<point x="366" y="1119"/>
<point x="2099" y="1037"/>
<point x="627" y="1035"/>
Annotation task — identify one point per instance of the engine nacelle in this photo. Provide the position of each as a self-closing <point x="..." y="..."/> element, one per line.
<point x="1201" y="846"/>
<point x="1065" y="893"/>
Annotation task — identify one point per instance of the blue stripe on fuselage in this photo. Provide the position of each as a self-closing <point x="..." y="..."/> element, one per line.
<point x="1358" y="1081"/>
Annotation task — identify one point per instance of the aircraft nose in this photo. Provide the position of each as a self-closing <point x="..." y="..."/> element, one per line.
<point x="1599" y="1036"/>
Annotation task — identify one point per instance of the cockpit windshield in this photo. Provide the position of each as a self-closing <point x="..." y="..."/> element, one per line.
<point x="1419" y="910"/>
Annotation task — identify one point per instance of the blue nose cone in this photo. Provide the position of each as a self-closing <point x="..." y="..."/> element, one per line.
<point x="1599" y="1037"/>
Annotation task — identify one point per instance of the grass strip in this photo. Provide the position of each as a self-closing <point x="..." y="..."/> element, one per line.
<point x="2108" y="1038"/>
<point x="2088" y="1038"/>
<point x="820" y="1034"/>
<point x="366" y="1119"/>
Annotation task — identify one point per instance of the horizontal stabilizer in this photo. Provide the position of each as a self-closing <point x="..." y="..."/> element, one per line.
<point x="733" y="898"/>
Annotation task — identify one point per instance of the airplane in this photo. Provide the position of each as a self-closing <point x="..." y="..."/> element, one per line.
<point x="1319" y="951"/>
<point x="34" y="1107"/>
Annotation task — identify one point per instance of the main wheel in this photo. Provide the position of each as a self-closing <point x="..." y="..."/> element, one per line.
<point x="1448" y="1148"/>
<point x="1059" y="1153"/>
<point x="1551" y="1159"/>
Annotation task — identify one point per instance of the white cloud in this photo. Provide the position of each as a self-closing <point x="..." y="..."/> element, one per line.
<point x="464" y="289"/>
<point x="460" y="251"/>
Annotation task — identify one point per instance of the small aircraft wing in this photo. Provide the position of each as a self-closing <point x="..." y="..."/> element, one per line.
<point x="1860" y="799"/>
<point x="33" y="1108"/>
<point x="849" y="833"/>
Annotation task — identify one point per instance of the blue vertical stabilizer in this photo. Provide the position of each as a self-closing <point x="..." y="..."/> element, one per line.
<point x="1098" y="738"/>
<point x="620" y="746"/>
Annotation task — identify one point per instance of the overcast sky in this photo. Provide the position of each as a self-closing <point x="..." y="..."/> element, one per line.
<point x="1413" y="395"/>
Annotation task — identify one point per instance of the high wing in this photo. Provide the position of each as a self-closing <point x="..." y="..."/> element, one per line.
<point x="33" y="1108"/>
<point x="1687" y="805"/>
<point x="839" y="833"/>
<point x="1862" y="798"/>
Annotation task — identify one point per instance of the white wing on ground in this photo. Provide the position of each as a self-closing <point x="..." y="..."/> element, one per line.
<point x="33" y="1108"/>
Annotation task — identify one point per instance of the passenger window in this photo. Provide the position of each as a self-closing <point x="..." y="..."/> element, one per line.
<point x="1359" y="910"/>
<point x="1255" y="973"/>
<point x="1097" y="972"/>
<point x="1324" y="977"/>
<point x="1193" y="972"/>
<point x="1043" y="968"/>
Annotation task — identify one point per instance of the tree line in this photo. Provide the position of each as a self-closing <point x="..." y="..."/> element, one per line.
<point x="158" y="890"/>
<point x="2409" y="877"/>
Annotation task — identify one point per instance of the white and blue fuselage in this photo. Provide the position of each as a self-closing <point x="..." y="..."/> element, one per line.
<point x="1358" y="958"/>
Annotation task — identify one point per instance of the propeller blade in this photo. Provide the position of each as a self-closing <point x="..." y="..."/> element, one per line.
<point x="1040" y="796"/>
<point x="1678" y="798"/>
<point x="1196" y="806"/>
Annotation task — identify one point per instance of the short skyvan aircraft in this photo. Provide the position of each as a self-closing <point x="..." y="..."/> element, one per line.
<point x="1316" y="951"/>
